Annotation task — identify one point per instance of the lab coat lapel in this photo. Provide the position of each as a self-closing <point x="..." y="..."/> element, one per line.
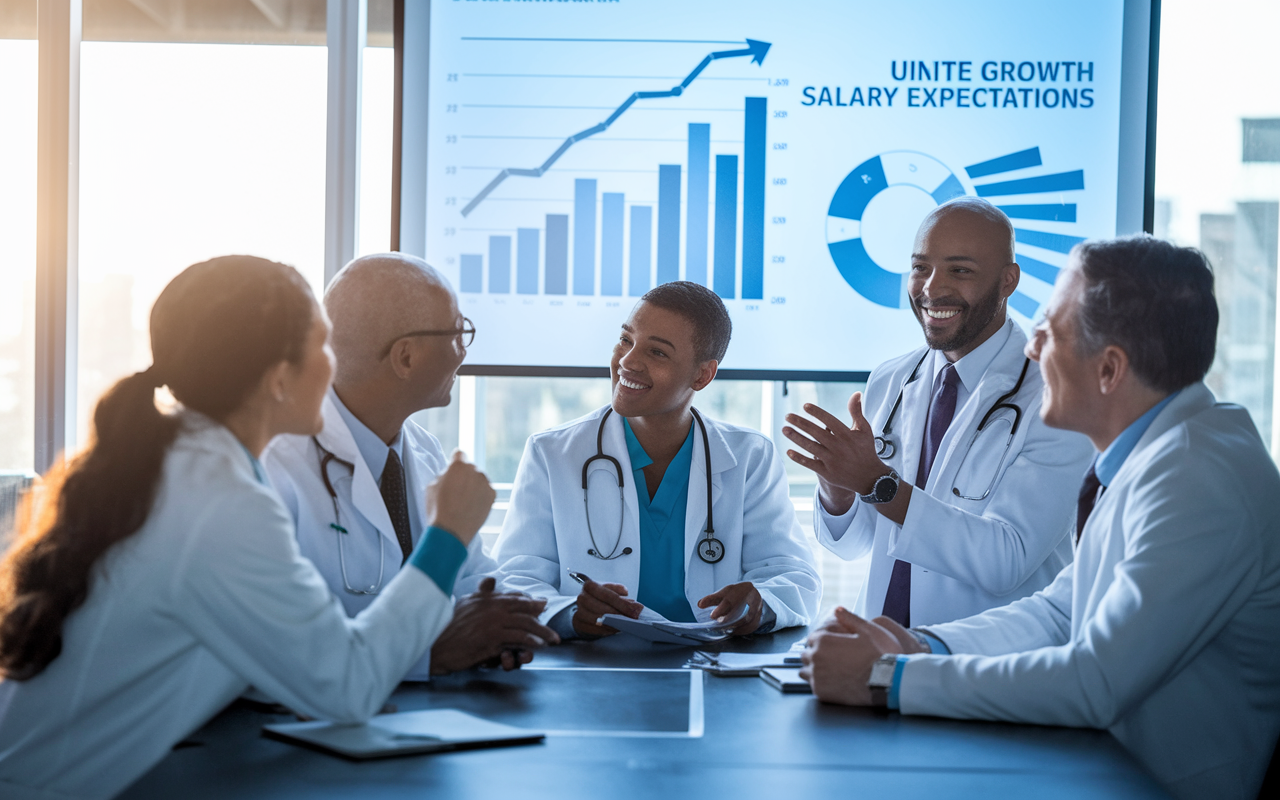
<point x="1000" y="377"/>
<point x="365" y="495"/>
<point x="701" y="582"/>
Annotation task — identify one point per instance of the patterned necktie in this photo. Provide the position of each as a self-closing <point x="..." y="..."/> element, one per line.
<point x="1089" y="495"/>
<point x="942" y="407"/>
<point x="393" y="495"/>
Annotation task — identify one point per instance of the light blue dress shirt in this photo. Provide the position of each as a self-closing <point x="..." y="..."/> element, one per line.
<point x="438" y="554"/>
<point x="374" y="451"/>
<point x="662" y="521"/>
<point x="1106" y="466"/>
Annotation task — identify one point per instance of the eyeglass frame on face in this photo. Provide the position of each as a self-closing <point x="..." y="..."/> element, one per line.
<point x="468" y="330"/>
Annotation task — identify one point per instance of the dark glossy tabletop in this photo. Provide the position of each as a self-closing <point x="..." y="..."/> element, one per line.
<point x="619" y="731"/>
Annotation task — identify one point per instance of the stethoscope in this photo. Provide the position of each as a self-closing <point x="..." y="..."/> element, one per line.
<point x="885" y="446"/>
<point x="710" y="549"/>
<point x="325" y="458"/>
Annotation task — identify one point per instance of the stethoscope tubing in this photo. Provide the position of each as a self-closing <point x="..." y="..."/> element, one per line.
<point x="709" y="544"/>
<point x="886" y="448"/>
<point x="327" y="457"/>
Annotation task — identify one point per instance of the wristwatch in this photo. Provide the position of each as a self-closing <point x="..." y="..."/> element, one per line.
<point x="884" y="489"/>
<point x="881" y="679"/>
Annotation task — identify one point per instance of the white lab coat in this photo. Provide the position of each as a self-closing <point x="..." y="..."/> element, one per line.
<point x="967" y="555"/>
<point x="544" y="535"/>
<point x="293" y="465"/>
<point x="209" y="596"/>
<point x="1163" y="630"/>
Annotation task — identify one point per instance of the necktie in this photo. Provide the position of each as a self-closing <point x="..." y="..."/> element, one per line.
<point x="393" y="495"/>
<point x="1089" y="495"/>
<point x="942" y="407"/>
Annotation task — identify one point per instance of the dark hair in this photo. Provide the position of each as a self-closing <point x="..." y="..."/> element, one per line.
<point x="702" y="307"/>
<point x="1155" y="301"/>
<point x="215" y="330"/>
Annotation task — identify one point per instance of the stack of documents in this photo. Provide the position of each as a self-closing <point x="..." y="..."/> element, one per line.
<point x="407" y="733"/>
<point x="729" y="665"/>
<point x="653" y="627"/>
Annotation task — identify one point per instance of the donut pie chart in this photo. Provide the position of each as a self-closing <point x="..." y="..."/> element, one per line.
<point x="923" y="178"/>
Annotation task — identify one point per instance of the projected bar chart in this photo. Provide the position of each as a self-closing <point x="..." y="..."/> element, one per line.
<point x="599" y="230"/>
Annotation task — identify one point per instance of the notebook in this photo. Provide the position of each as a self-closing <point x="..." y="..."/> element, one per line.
<point x="407" y="733"/>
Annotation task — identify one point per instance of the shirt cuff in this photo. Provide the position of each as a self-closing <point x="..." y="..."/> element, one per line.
<point x="562" y="622"/>
<point x="892" y="701"/>
<point x="439" y="556"/>
<point x="935" y="644"/>
<point x="837" y="526"/>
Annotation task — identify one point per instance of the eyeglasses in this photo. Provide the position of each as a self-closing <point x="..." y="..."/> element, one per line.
<point x="466" y="335"/>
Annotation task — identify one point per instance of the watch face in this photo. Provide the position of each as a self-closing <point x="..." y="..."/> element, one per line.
<point x="882" y="672"/>
<point x="886" y="488"/>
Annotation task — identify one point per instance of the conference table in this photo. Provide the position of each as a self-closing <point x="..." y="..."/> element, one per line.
<point x="624" y="719"/>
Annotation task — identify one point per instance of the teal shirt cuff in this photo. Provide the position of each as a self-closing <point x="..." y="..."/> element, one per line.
<point x="897" y="682"/>
<point x="439" y="556"/>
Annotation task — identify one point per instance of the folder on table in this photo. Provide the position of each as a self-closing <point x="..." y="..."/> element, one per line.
<point x="406" y="733"/>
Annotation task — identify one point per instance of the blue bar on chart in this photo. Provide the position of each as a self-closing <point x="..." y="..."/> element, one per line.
<point x="668" y="223"/>
<point x="499" y="265"/>
<point x="753" y="150"/>
<point x="584" y="236"/>
<point x="472" y="278"/>
<point x="724" y="278"/>
<point x="641" y="245"/>
<point x="557" y="254"/>
<point x="695" y="235"/>
<point x="611" y="215"/>
<point x="527" y="260"/>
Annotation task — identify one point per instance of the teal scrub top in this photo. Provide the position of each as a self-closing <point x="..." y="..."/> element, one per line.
<point x="662" y="556"/>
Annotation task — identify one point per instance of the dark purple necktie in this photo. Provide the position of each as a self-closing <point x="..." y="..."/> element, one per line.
<point x="393" y="494"/>
<point x="1089" y="495"/>
<point x="942" y="407"/>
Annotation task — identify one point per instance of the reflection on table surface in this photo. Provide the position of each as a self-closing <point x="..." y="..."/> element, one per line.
<point x="618" y="727"/>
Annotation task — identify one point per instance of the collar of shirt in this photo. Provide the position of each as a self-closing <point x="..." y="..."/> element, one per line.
<point x="1113" y="458"/>
<point x="673" y="480"/>
<point x="372" y="449"/>
<point x="973" y="365"/>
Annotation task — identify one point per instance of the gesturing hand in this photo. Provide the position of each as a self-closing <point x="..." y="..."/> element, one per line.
<point x="459" y="500"/>
<point x="837" y="662"/>
<point x="730" y="600"/>
<point x="489" y="625"/>
<point x="843" y="457"/>
<point x="598" y="599"/>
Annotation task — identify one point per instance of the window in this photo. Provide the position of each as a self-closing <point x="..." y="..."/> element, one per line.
<point x="1218" y="180"/>
<point x="17" y="256"/>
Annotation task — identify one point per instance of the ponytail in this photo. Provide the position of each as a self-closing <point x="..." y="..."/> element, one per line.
<point x="98" y="499"/>
<point x="215" y="330"/>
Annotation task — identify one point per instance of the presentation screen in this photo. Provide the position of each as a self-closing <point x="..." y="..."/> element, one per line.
<point x="560" y="159"/>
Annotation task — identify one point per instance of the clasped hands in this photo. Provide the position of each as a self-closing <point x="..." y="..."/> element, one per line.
<point x="840" y="654"/>
<point x="492" y="628"/>
<point x="598" y="599"/>
<point x="843" y="457"/>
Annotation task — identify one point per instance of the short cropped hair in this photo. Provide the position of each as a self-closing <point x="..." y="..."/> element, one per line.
<point x="702" y="307"/>
<point x="1155" y="301"/>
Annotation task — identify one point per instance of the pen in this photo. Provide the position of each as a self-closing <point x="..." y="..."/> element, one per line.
<point x="579" y="577"/>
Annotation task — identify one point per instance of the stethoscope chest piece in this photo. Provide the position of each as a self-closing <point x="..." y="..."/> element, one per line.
<point x="711" y="550"/>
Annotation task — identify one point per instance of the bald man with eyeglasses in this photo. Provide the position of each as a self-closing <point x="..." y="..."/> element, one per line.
<point x="357" y="490"/>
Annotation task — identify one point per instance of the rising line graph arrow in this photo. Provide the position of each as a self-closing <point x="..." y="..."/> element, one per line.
<point x="755" y="49"/>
